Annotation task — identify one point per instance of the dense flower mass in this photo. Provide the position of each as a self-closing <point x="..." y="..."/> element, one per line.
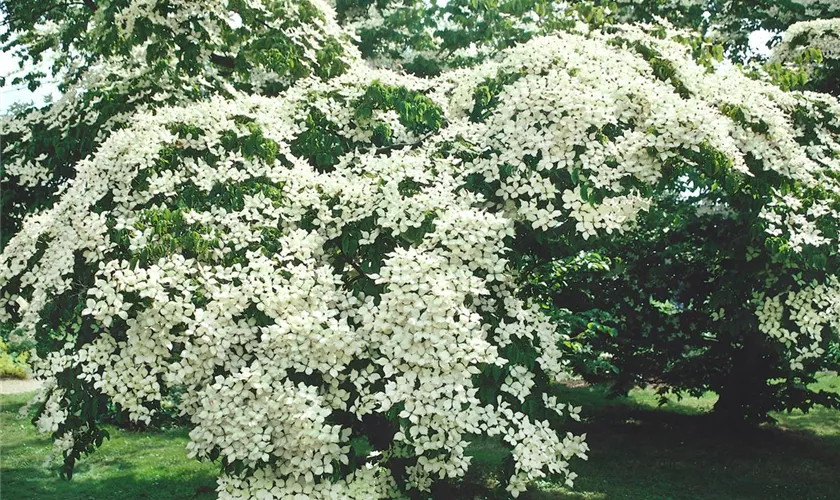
<point x="325" y="274"/>
<point x="295" y="300"/>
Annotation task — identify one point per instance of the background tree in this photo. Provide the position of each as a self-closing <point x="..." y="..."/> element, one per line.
<point x="729" y="22"/>
<point x="807" y="56"/>
<point x="424" y="37"/>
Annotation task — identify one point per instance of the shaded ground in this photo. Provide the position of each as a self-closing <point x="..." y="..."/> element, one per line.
<point x="638" y="452"/>
<point x="642" y="452"/>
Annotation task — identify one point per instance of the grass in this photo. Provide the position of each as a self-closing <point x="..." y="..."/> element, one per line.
<point x="638" y="451"/>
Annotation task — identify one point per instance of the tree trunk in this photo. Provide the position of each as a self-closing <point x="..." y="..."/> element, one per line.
<point x="742" y="396"/>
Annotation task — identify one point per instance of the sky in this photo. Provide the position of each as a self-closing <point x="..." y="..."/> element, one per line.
<point x="10" y="94"/>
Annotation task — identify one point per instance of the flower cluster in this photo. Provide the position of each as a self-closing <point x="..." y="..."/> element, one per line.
<point x="802" y="319"/>
<point x="197" y="52"/>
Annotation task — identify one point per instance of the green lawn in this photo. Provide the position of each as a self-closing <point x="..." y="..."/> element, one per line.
<point x="639" y="451"/>
<point x="129" y="466"/>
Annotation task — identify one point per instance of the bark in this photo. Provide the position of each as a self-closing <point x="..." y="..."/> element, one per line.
<point x="743" y="398"/>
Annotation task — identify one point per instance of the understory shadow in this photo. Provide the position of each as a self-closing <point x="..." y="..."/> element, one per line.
<point x="642" y="453"/>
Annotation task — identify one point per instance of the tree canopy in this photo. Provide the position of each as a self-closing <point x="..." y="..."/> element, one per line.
<point x="330" y="232"/>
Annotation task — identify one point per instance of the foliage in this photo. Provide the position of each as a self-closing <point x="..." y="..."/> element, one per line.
<point x="13" y="365"/>
<point x="833" y="353"/>
<point x="14" y="358"/>
<point x="333" y="263"/>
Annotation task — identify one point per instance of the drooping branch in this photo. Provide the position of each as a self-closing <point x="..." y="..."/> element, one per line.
<point x="403" y="145"/>
<point x="224" y="61"/>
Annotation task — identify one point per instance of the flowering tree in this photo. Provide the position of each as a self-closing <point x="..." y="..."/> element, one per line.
<point x="328" y="257"/>
<point x="694" y="350"/>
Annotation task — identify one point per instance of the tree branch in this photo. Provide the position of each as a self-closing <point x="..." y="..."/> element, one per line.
<point x="224" y="61"/>
<point x="401" y="145"/>
<point x="356" y="267"/>
<point x="353" y="264"/>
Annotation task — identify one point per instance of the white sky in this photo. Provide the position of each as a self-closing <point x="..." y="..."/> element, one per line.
<point x="10" y="94"/>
